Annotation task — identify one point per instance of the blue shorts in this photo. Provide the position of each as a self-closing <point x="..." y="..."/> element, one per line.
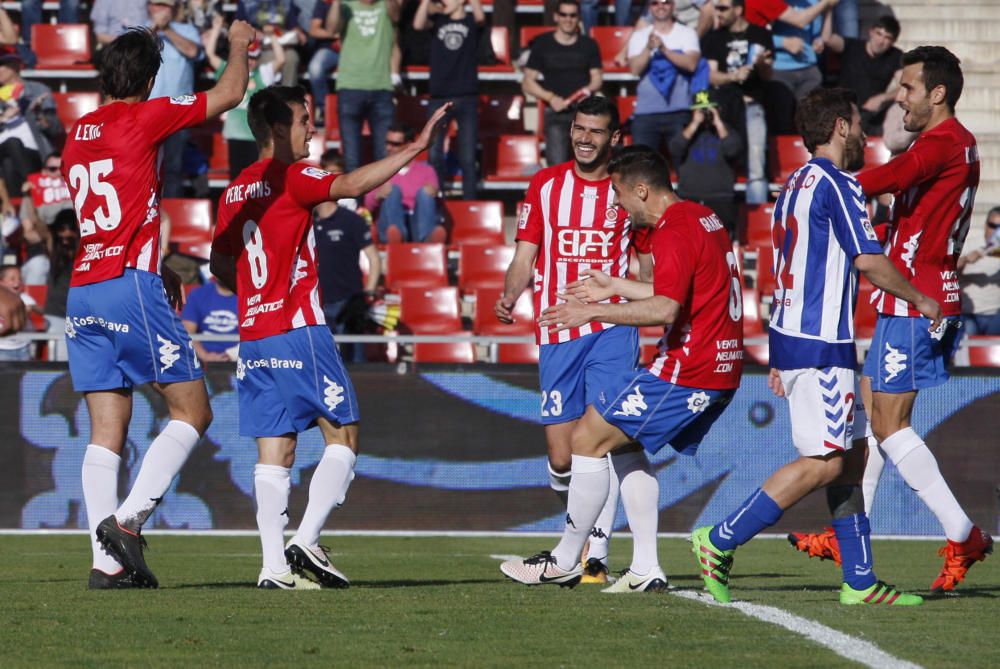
<point x="572" y="373"/>
<point x="287" y="381"/>
<point x="122" y="333"/>
<point x="905" y="357"/>
<point x="655" y="412"/>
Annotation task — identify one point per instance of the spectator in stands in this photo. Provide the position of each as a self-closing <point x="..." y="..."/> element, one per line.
<point x="979" y="275"/>
<point x="324" y="59"/>
<point x="9" y="37"/>
<point x="406" y="207"/>
<point x="277" y="21"/>
<point x="570" y="65"/>
<point x="64" y="238"/>
<point x="13" y="346"/>
<point x="110" y="18"/>
<point x="240" y="144"/>
<point x="341" y="237"/>
<point x="45" y="195"/>
<point x="740" y="58"/>
<point x="872" y="69"/>
<point x="695" y="14"/>
<point x="706" y="153"/>
<point x="27" y="119"/>
<point x="181" y="50"/>
<point x="201" y="13"/>
<point x="212" y="309"/>
<point x="455" y="79"/>
<point x="48" y="190"/>
<point x="796" y="66"/>
<point x="364" y="77"/>
<point x="666" y="56"/>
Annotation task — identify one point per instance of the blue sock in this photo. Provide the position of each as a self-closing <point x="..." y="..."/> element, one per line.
<point x="756" y="514"/>
<point x="854" y="537"/>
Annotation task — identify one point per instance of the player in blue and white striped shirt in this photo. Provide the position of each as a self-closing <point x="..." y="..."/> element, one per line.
<point x="822" y="237"/>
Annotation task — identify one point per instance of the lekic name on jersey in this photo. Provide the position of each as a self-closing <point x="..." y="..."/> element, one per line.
<point x="88" y="131"/>
<point x="250" y="191"/>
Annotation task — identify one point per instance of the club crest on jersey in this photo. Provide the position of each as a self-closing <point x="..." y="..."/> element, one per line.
<point x="610" y="217"/>
<point x="522" y="219"/>
<point x="185" y="100"/>
<point x="316" y="173"/>
<point x="698" y="401"/>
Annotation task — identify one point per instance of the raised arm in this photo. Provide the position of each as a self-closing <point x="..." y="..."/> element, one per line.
<point x="421" y="20"/>
<point x="232" y="85"/>
<point x="210" y="40"/>
<point x="800" y="18"/>
<point x="368" y="177"/>
<point x="335" y="18"/>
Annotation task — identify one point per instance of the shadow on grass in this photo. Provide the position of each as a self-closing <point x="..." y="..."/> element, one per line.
<point x="407" y="583"/>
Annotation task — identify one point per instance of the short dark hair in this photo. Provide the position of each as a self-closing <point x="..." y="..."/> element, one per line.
<point x="408" y="132"/>
<point x="641" y="163"/>
<point x="598" y="105"/>
<point x="575" y="3"/>
<point x="130" y="63"/>
<point x="270" y="107"/>
<point x="941" y="68"/>
<point x="332" y="157"/>
<point x="888" y="23"/>
<point x="6" y="268"/>
<point x="817" y="114"/>
<point x="738" y="3"/>
<point x="994" y="210"/>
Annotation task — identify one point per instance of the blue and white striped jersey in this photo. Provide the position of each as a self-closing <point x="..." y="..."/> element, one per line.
<point x="820" y="225"/>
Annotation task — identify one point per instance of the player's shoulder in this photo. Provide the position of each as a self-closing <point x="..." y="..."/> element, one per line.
<point x="550" y="173"/>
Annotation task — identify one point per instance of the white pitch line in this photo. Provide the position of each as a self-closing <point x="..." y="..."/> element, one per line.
<point x="504" y="558"/>
<point x="845" y="645"/>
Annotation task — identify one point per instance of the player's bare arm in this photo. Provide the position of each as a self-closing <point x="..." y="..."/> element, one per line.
<point x="369" y="177"/>
<point x="654" y="310"/>
<point x="597" y="286"/>
<point x="223" y="268"/>
<point x="517" y="279"/>
<point x="883" y="274"/>
<point x="232" y="85"/>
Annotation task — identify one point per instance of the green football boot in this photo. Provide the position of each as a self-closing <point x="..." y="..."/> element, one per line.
<point x="714" y="564"/>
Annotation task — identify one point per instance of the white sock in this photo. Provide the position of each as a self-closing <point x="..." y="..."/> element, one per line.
<point x="919" y="468"/>
<point x="327" y="490"/>
<point x="588" y="490"/>
<point x="873" y="472"/>
<point x="272" y="484"/>
<point x="100" y="494"/>
<point x="559" y="482"/>
<point x="600" y="536"/>
<point x="640" y="492"/>
<point x="165" y="457"/>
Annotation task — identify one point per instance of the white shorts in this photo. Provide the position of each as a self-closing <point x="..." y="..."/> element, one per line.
<point x="825" y="407"/>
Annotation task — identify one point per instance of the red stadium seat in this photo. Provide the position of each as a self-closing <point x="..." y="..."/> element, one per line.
<point x="482" y="265"/>
<point x="788" y="154"/>
<point x="864" y="313"/>
<point x="218" y="160"/>
<point x="429" y="310"/>
<point x="500" y="40"/>
<point x="500" y="115"/>
<point x="758" y="230"/>
<point x="71" y="106"/>
<point x="876" y="152"/>
<point x="611" y="40"/>
<point x="39" y="293"/>
<point x="753" y="327"/>
<point x="513" y="157"/>
<point x="984" y="356"/>
<point x="765" y="279"/>
<point x="61" y="46"/>
<point x="529" y="33"/>
<point x="459" y="352"/>
<point x="331" y="119"/>
<point x="420" y="265"/>
<point x="626" y="107"/>
<point x="190" y="225"/>
<point x="518" y="354"/>
<point x="475" y="221"/>
<point x="485" y="321"/>
<point x="413" y="110"/>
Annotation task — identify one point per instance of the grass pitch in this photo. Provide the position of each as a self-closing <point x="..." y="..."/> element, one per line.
<point x="433" y="601"/>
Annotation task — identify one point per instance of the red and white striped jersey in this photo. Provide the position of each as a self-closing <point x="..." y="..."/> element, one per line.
<point x="111" y="162"/>
<point x="934" y="183"/>
<point x="577" y="227"/>
<point x="265" y="222"/>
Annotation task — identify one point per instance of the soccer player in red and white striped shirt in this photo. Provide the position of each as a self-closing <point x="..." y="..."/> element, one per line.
<point x="570" y="224"/>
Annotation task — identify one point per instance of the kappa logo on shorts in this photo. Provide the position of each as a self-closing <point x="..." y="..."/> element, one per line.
<point x="698" y="401"/>
<point x="633" y="405"/>
<point x="194" y="356"/>
<point x="895" y="362"/>
<point x="70" y="328"/>
<point x="168" y="353"/>
<point x="241" y="369"/>
<point x="333" y="395"/>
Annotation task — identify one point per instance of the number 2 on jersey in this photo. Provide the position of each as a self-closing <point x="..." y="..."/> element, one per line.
<point x="554" y="400"/>
<point x="253" y="240"/>
<point x="87" y="179"/>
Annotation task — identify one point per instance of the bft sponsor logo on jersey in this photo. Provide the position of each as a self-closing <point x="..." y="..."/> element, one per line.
<point x="585" y="245"/>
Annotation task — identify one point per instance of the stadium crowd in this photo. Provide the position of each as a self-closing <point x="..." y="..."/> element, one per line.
<point x="710" y="83"/>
